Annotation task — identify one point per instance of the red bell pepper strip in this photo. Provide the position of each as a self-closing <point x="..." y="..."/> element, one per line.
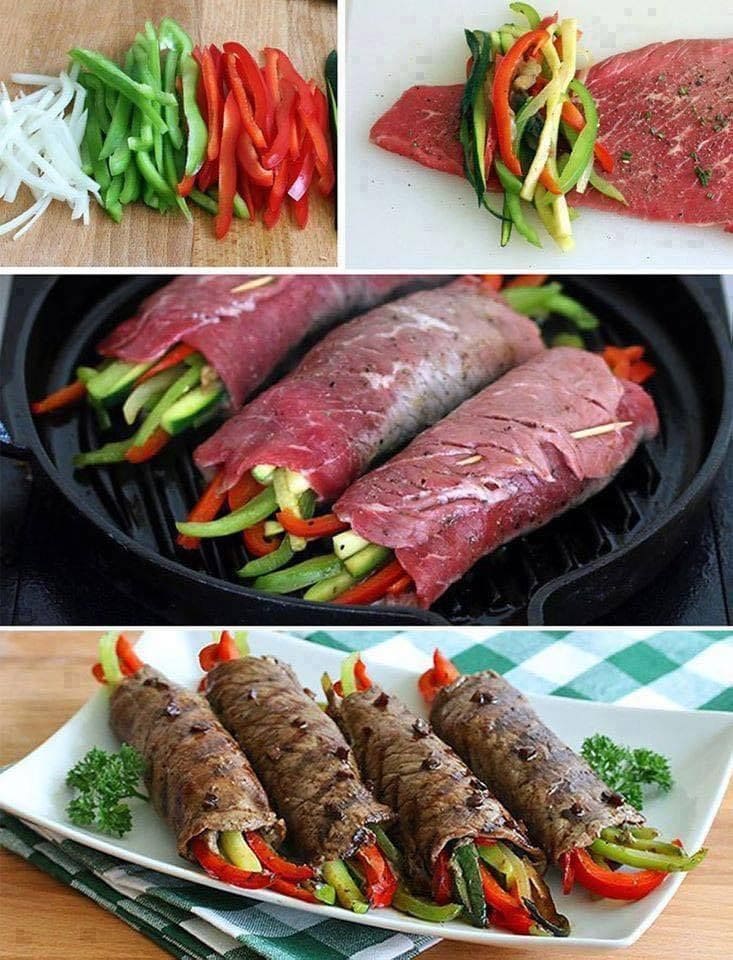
<point x="290" y="889"/>
<point x="214" y="105"/>
<point x="283" y="122"/>
<point x="221" y="869"/>
<point x="549" y="182"/>
<point x="492" y="280"/>
<point x="272" y="79"/>
<point x="245" y="108"/>
<point x="186" y="185"/>
<point x="126" y="654"/>
<point x="440" y="675"/>
<point x="568" y="873"/>
<point x="171" y="359"/>
<point x="627" y="363"/>
<point x="152" y="446"/>
<point x="208" y="656"/>
<point x="257" y="544"/>
<point x="442" y="880"/>
<point x="98" y="673"/>
<point x="325" y="526"/>
<point x="381" y="882"/>
<point x="276" y="864"/>
<point x="400" y="586"/>
<point x="254" y="81"/>
<point x="300" y="211"/>
<point x="299" y="186"/>
<point x="306" y="107"/>
<point x="503" y="77"/>
<point x="249" y="161"/>
<point x="277" y="194"/>
<point x="374" y="587"/>
<point x="615" y="885"/>
<point x="515" y="921"/>
<point x="327" y="179"/>
<point x="243" y="490"/>
<point x="227" y="647"/>
<point x="227" y="166"/>
<point x="495" y="895"/>
<point x="59" y="399"/>
<point x="363" y="682"/>
<point x="208" y="174"/>
<point x="526" y="280"/>
<point x="208" y="506"/>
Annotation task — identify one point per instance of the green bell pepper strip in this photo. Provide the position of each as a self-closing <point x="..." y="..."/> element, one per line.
<point x="582" y="151"/>
<point x="176" y="390"/>
<point x="111" y="199"/>
<point x="645" y="859"/>
<point x="171" y="176"/>
<point x="349" y="895"/>
<point x="464" y="864"/>
<point x="204" y="201"/>
<point x="151" y="175"/>
<point x="255" y="510"/>
<point x="598" y="182"/>
<point x="120" y="122"/>
<point x="528" y="12"/>
<point x="567" y="307"/>
<point x="512" y="203"/>
<point x="131" y="187"/>
<point x="141" y="94"/>
<point x="406" y="902"/>
<point x="531" y="301"/>
<point x="270" y="562"/>
<point x="568" y="340"/>
<point x="326" y="590"/>
<point x="119" y="162"/>
<point x="387" y="847"/>
<point x="198" y="134"/>
<point x="109" y="453"/>
<point x="172" y="36"/>
<point x="172" y="120"/>
<point x="93" y="140"/>
<point x="627" y="839"/>
<point x="506" y="221"/>
<point x="301" y="575"/>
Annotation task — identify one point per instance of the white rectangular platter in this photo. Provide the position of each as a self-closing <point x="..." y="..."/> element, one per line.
<point x="699" y="745"/>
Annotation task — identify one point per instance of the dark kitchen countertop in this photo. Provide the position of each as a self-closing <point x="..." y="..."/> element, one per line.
<point x="42" y="586"/>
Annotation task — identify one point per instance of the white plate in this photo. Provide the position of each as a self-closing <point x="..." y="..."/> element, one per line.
<point x="699" y="745"/>
<point x="408" y="217"/>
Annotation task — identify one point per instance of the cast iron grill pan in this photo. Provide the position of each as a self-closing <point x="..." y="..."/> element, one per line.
<point x="571" y="571"/>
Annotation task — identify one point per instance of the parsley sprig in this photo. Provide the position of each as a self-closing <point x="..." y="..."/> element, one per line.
<point x="104" y="780"/>
<point x="627" y="770"/>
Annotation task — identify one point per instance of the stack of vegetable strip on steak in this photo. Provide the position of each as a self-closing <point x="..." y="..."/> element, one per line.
<point x="202" y="344"/>
<point x="458" y="843"/>
<point x="198" y="778"/>
<point x="307" y="769"/>
<point x="584" y="827"/>
<point x="363" y="390"/>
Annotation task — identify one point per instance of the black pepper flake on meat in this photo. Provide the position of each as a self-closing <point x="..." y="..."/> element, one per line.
<point x="156" y="682"/>
<point x="299" y="723"/>
<point x="430" y="763"/>
<point x="381" y="701"/>
<point x="573" y="812"/>
<point x="251" y="694"/>
<point x="612" y="798"/>
<point x="526" y="753"/>
<point x="199" y="727"/>
<point x="211" y="801"/>
<point x="172" y="709"/>
<point x="344" y="775"/>
<point x="475" y="800"/>
<point x="481" y="697"/>
<point x="342" y="753"/>
<point x="274" y="753"/>
<point x="420" y="728"/>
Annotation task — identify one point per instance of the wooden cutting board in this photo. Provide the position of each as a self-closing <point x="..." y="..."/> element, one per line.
<point x="35" y="36"/>
<point x="45" y="679"/>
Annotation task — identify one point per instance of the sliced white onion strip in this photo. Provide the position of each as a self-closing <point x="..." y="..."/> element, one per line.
<point x="40" y="139"/>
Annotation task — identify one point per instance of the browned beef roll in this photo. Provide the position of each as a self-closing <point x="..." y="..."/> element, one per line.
<point x="436" y="797"/>
<point x="299" y="754"/>
<point x="197" y="777"/>
<point x="539" y="778"/>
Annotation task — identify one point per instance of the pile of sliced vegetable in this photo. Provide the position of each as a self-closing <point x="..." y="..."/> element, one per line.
<point x="170" y="123"/>
<point x="522" y="131"/>
<point x="40" y="139"/>
<point x="273" y="508"/>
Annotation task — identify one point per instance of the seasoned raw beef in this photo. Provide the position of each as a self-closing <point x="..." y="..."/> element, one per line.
<point x="436" y="797"/>
<point x="496" y="732"/>
<point x="197" y="777"/>
<point x="500" y="465"/>
<point x="245" y="335"/>
<point x="299" y="754"/>
<point x="668" y="106"/>
<point x="372" y="384"/>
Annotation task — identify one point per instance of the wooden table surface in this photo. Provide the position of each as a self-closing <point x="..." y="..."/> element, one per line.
<point x="34" y="38"/>
<point x="45" y="678"/>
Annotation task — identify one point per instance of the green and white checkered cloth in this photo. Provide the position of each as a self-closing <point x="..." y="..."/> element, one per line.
<point x="672" y="669"/>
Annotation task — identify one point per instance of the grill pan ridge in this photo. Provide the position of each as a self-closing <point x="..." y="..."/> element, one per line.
<point x="571" y="571"/>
